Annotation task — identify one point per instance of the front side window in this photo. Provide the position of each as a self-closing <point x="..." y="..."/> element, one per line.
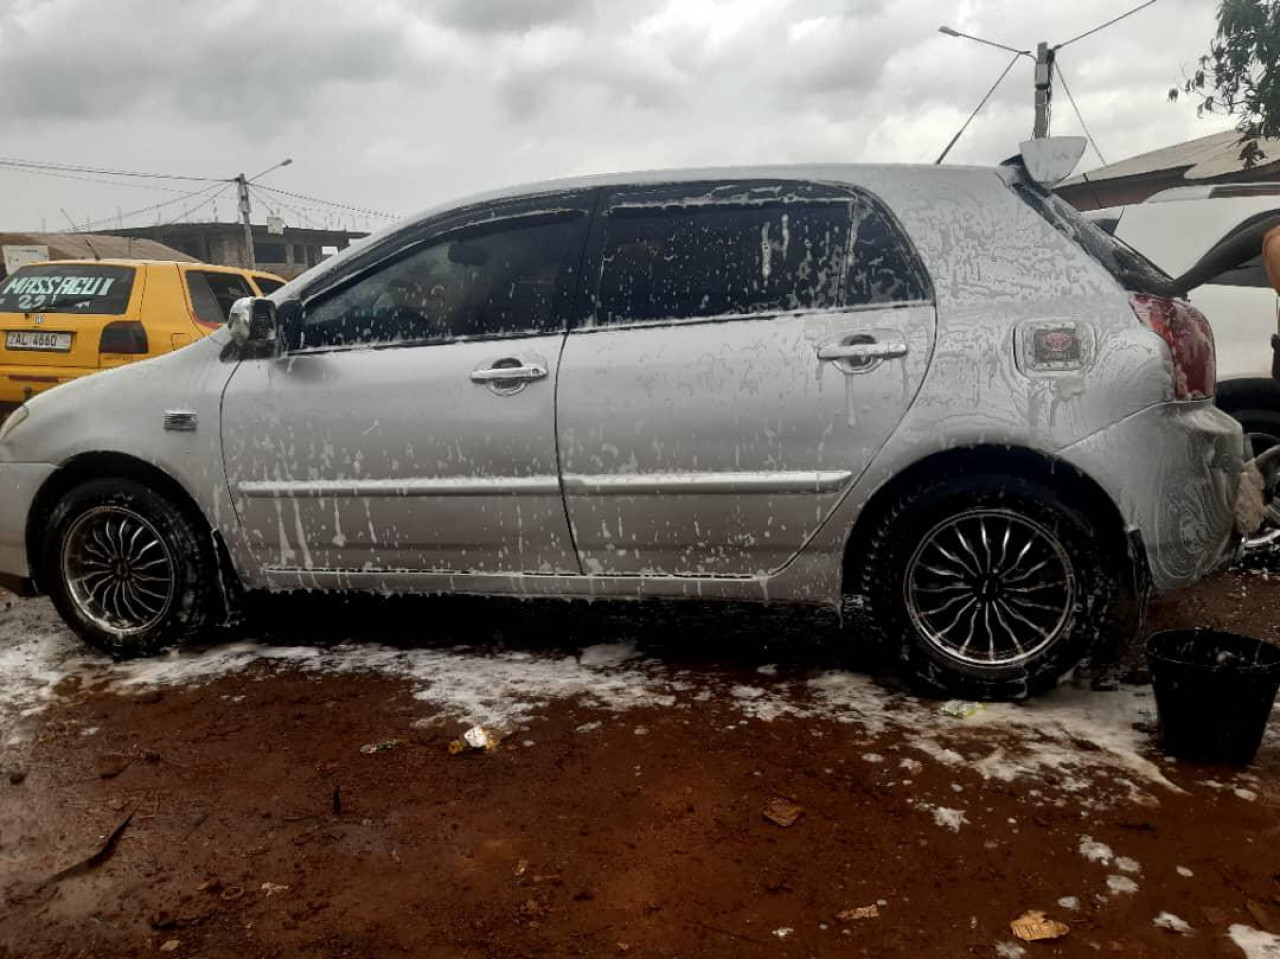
<point x="213" y="294"/>
<point x="68" y="288"/>
<point x="480" y="281"/>
<point x="678" y="262"/>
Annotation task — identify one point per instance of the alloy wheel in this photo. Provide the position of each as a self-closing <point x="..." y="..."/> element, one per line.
<point x="118" y="570"/>
<point x="990" y="588"/>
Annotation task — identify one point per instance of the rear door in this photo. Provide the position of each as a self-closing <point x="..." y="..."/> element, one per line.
<point x="747" y="349"/>
<point x="53" y="314"/>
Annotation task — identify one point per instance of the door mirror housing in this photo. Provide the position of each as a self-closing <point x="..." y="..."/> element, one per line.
<point x="253" y="320"/>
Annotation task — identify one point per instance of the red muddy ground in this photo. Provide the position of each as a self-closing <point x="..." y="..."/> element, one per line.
<point x="615" y="842"/>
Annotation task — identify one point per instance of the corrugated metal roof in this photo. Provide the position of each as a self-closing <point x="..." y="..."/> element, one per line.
<point x="1202" y="159"/>
<point x="77" y="246"/>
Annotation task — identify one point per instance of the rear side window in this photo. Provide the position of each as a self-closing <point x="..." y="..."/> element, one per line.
<point x="213" y="294"/>
<point x="1130" y="268"/>
<point x="676" y="262"/>
<point x="681" y="262"/>
<point x="68" y="288"/>
<point x="267" y="285"/>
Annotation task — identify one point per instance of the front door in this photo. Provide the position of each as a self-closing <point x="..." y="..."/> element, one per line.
<point x="411" y="425"/>
<point x="747" y="350"/>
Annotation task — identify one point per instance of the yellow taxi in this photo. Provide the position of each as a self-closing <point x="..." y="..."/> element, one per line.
<point x="64" y="319"/>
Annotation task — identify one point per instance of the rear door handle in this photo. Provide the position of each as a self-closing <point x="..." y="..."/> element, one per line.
<point x="862" y="351"/>
<point x="509" y="374"/>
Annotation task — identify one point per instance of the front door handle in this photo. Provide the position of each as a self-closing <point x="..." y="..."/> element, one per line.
<point x="509" y="374"/>
<point x="862" y="351"/>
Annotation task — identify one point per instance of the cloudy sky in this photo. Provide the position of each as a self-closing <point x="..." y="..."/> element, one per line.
<point x="393" y="105"/>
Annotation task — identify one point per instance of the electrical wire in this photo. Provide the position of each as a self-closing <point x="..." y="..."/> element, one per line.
<point x="976" y="110"/>
<point x="341" y="206"/>
<point x="203" y="203"/>
<point x="103" y="171"/>
<point x="1103" y="26"/>
<point x="88" y="179"/>
<point x="88" y="227"/>
<point x="1079" y="116"/>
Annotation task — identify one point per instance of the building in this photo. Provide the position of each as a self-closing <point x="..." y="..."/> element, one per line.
<point x="84" y="246"/>
<point x="1207" y="160"/>
<point x="287" y="253"/>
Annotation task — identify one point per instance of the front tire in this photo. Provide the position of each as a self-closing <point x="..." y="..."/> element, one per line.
<point x="128" y="570"/>
<point x="990" y="587"/>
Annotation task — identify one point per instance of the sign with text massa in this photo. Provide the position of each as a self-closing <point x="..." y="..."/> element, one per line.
<point x="68" y="288"/>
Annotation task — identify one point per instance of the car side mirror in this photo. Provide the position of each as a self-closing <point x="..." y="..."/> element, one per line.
<point x="252" y="320"/>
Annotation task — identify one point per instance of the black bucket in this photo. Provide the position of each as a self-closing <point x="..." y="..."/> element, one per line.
<point x="1214" y="692"/>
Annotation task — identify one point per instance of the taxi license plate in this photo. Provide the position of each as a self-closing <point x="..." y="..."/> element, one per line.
<point x="38" y="340"/>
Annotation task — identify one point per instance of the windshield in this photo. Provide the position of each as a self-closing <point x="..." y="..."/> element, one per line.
<point x="67" y="288"/>
<point x="1130" y="268"/>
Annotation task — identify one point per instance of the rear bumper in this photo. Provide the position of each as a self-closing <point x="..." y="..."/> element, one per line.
<point x="20" y="482"/>
<point x="19" y="383"/>
<point x="1173" y="471"/>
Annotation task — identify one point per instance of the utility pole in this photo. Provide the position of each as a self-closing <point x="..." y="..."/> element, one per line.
<point x="1044" y="88"/>
<point x="243" y="186"/>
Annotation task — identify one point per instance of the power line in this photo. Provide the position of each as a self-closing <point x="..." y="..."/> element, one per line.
<point x="1079" y="116"/>
<point x="340" y="206"/>
<point x="976" y="110"/>
<point x="203" y="203"/>
<point x="87" y="179"/>
<point x="154" y="206"/>
<point x="104" y="171"/>
<point x="1103" y="26"/>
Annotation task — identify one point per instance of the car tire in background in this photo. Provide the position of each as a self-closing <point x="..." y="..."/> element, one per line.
<point x="129" y="570"/>
<point x="989" y="587"/>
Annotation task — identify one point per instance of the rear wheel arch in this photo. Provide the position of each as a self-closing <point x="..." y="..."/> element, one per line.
<point x="105" y="465"/>
<point x="1015" y="462"/>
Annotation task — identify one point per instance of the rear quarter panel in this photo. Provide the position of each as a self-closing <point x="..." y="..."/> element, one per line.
<point x="996" y="266"/>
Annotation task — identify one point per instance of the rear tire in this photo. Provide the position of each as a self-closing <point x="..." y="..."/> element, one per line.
<point x="989" y="587"/>
<point x="128" y="570"/>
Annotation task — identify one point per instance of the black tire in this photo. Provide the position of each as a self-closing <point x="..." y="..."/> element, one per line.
<point x="1088" y="599"/>
<point x="186" y="574"/>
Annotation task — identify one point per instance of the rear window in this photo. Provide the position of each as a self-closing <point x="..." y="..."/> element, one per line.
<point x="213" y="294"/>
<point x="267" y="285"/>
<point x="1130" y="268"/>
<point x="67" y="288"/>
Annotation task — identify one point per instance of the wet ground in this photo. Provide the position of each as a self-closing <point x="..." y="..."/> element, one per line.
<point x="296" y="795"/>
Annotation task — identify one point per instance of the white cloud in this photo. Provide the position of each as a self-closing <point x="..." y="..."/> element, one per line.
<point x="395" y="104"/>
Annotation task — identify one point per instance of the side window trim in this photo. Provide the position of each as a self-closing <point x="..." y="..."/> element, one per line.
<point x="753" y="317"/>
<point x="520" y="212"/>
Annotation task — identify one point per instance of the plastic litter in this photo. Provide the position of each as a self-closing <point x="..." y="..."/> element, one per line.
<point x="370" y="748"/>
<point x="782" y="812"/>
<point x="1033" y="926"/>
<point x="474" y="739"/>
<point x="860" y="912"/>
<point x="961" y="708"/>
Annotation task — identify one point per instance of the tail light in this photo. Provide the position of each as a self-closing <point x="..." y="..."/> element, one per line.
<point x="1190" y="340"/>
<point x="124" y="336"/>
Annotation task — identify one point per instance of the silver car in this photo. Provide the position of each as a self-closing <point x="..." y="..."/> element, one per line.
<point x="932" y="395"/>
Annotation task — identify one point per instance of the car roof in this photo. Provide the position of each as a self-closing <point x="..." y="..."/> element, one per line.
<point x="868" y="174"/>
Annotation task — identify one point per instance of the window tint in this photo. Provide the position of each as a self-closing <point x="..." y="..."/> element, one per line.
<point x="267" y="285"/>
<point x="882" y="266"/>
<point x="212" y="294"/>
<point x="1130" y="268"/>
<point x="478" y="282"/>
<point x="676" y="262"/>
<point x="67" y="288"/>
